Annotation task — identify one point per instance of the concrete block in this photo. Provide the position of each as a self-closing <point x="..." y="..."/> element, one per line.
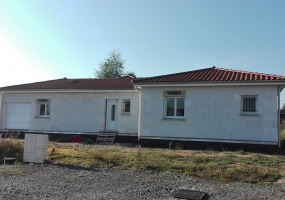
<point x="222" y="115"/>
<point x="253" y="137"/>
<point x="191" y="122"/>
<point x="270" y="131"/>
<point x="213" y="135"/>
<point x="188" y="103"/>
<point x="226" y="122"/>
<point x="214" y="122"/>
<point x="256" y="130"/>
<point x="145" y="132"/>
<point x="202" y="96"/>
<point x="225" y="136"/>
<point x="244" y="130"/>
<point x="269" y="138"/>
<point x="231" y="129"/>
<point x="179" y="134"/>
<point x="197" y="103"/>
<point x="210" y="102"/>
<point x="188" y="134"/>
<point x="209" y="115"/>
<point x="270" y="116"/>
<point x="200" y="135"/>
<point x="252" y="123"/>
<point x="202" y="109"/>
<point x="215" y="109"/>
<point x="203" y="122"/>
<point x="239" y="122"/>
<point x="204" y="128"/>
<point x="237" y="136"/>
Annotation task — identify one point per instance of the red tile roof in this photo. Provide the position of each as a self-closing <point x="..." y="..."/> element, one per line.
<point x="211" y="74"/>
<point x="122" y="83"/>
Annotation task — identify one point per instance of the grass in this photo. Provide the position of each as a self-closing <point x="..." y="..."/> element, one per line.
<point x="11" y="148"/>
<point x="223" y="166"/>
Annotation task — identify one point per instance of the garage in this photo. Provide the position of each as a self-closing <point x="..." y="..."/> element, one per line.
<point x="18" y="115"/>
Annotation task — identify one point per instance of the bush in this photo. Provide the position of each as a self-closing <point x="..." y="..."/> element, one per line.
<point x="11" y="148"/>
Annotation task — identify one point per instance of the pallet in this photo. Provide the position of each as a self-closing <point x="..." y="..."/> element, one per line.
<point x="107" y="137"/>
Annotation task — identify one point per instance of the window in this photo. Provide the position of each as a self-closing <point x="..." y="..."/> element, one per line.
<point x="174" y="107"/>
<point x="43" y="107"/>
<point x="248" y="104"/>
<point x="126" y="106"/>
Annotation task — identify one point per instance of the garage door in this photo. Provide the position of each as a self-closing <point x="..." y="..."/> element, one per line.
<point x="18" y="115"/>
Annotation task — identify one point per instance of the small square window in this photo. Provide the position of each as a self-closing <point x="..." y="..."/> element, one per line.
<point x="126" y="106"/>
<point x="43" y="107"/>
<point x="174" y="107"/>
<point x="249" y="104"/>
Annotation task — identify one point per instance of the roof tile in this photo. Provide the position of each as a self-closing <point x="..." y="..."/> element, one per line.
<point x="122" y="83"/>
<point x="211" y="74"/>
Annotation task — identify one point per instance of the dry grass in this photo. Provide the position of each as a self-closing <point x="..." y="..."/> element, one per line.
<point x="11" y="148"/>
<point x="222" y="166"/>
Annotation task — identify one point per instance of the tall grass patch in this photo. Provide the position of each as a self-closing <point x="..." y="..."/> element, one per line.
<point x="11" y="148"/>
<point x="222" y="166"/>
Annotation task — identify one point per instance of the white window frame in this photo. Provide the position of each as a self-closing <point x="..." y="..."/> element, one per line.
<point x="46" y="103"/>
<point x="123" y="110"/>
<point x="175" y="107"/>
<point x="248" y="111"/>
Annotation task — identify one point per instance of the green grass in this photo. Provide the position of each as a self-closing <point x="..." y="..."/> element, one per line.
<point x="222" y="166"/>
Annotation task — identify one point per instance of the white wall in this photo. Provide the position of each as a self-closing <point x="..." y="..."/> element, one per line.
<point x="211" y="113"/>
<point x="80" y="112"/>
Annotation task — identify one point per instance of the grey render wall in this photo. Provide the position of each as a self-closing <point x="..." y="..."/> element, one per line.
<point x="211" y="113"/>
<point x="79" y="112"/>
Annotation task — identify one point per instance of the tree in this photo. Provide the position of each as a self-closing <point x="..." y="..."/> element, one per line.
<point x="112" y="66"/>
<point x="283" y="107"/>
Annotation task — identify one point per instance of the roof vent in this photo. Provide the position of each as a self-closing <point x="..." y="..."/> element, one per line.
<point x="214" y="67"/>
<point x="73" y="81"/>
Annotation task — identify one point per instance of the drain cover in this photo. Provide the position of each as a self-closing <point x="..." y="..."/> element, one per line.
<point x="189" y="194"/>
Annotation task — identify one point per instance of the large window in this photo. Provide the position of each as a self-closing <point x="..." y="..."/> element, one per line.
<point x="174" y="107"/>
<point x="43" y="107"/>
<point x="126" y="106"/>
<point x="248" y="104"/>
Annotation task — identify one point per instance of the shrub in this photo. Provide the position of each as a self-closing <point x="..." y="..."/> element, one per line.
<point x="11" y="148"/>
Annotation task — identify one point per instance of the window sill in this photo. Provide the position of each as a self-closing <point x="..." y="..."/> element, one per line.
<point x="125" y="113"/>
<point x="249" y="115"/>
<point x="173" y="119"/>
<point x="42" y="117"/>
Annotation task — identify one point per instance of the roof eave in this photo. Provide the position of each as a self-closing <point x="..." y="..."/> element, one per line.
<point x="209" y="83"/>
<point x="67" y="90"/>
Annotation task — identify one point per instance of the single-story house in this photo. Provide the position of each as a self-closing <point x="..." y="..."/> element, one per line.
<point x="211" y="104"/>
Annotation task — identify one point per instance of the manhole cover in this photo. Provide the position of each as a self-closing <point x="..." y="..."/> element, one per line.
<point x="189" y="194"/>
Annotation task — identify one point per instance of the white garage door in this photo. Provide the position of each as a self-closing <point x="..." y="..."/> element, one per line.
<point x="18" y="115"/>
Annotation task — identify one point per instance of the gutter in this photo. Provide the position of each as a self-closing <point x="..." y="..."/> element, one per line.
<point x="68" y="91"/>
<point x="1" y="107"/>
<point x="278" y="116"/>
<point x="178" y="84"/>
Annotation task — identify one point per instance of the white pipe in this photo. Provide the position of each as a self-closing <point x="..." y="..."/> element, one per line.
<point x="278" y="116"/>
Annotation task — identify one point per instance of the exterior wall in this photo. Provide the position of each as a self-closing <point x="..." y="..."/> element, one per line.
<point x="212" y="114"/>
<point x="77" y="112"/>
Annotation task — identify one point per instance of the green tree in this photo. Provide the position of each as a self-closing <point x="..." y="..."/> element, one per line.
<point x="112" y="66"/>
<point x="283" y="107"/>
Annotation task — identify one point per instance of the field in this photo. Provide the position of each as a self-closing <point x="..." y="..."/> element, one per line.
<point x="223" y="166"/>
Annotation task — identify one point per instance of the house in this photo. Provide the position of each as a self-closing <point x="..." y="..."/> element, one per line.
<point x="72" y="106"/>
<point x="209" y="105"/>
<point x="212" y="105"/>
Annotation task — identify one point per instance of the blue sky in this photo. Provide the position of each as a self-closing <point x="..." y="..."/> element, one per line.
<point x="42" y="40"/>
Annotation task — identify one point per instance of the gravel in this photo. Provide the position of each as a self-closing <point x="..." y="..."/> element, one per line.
<point x="36" y="181"/>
